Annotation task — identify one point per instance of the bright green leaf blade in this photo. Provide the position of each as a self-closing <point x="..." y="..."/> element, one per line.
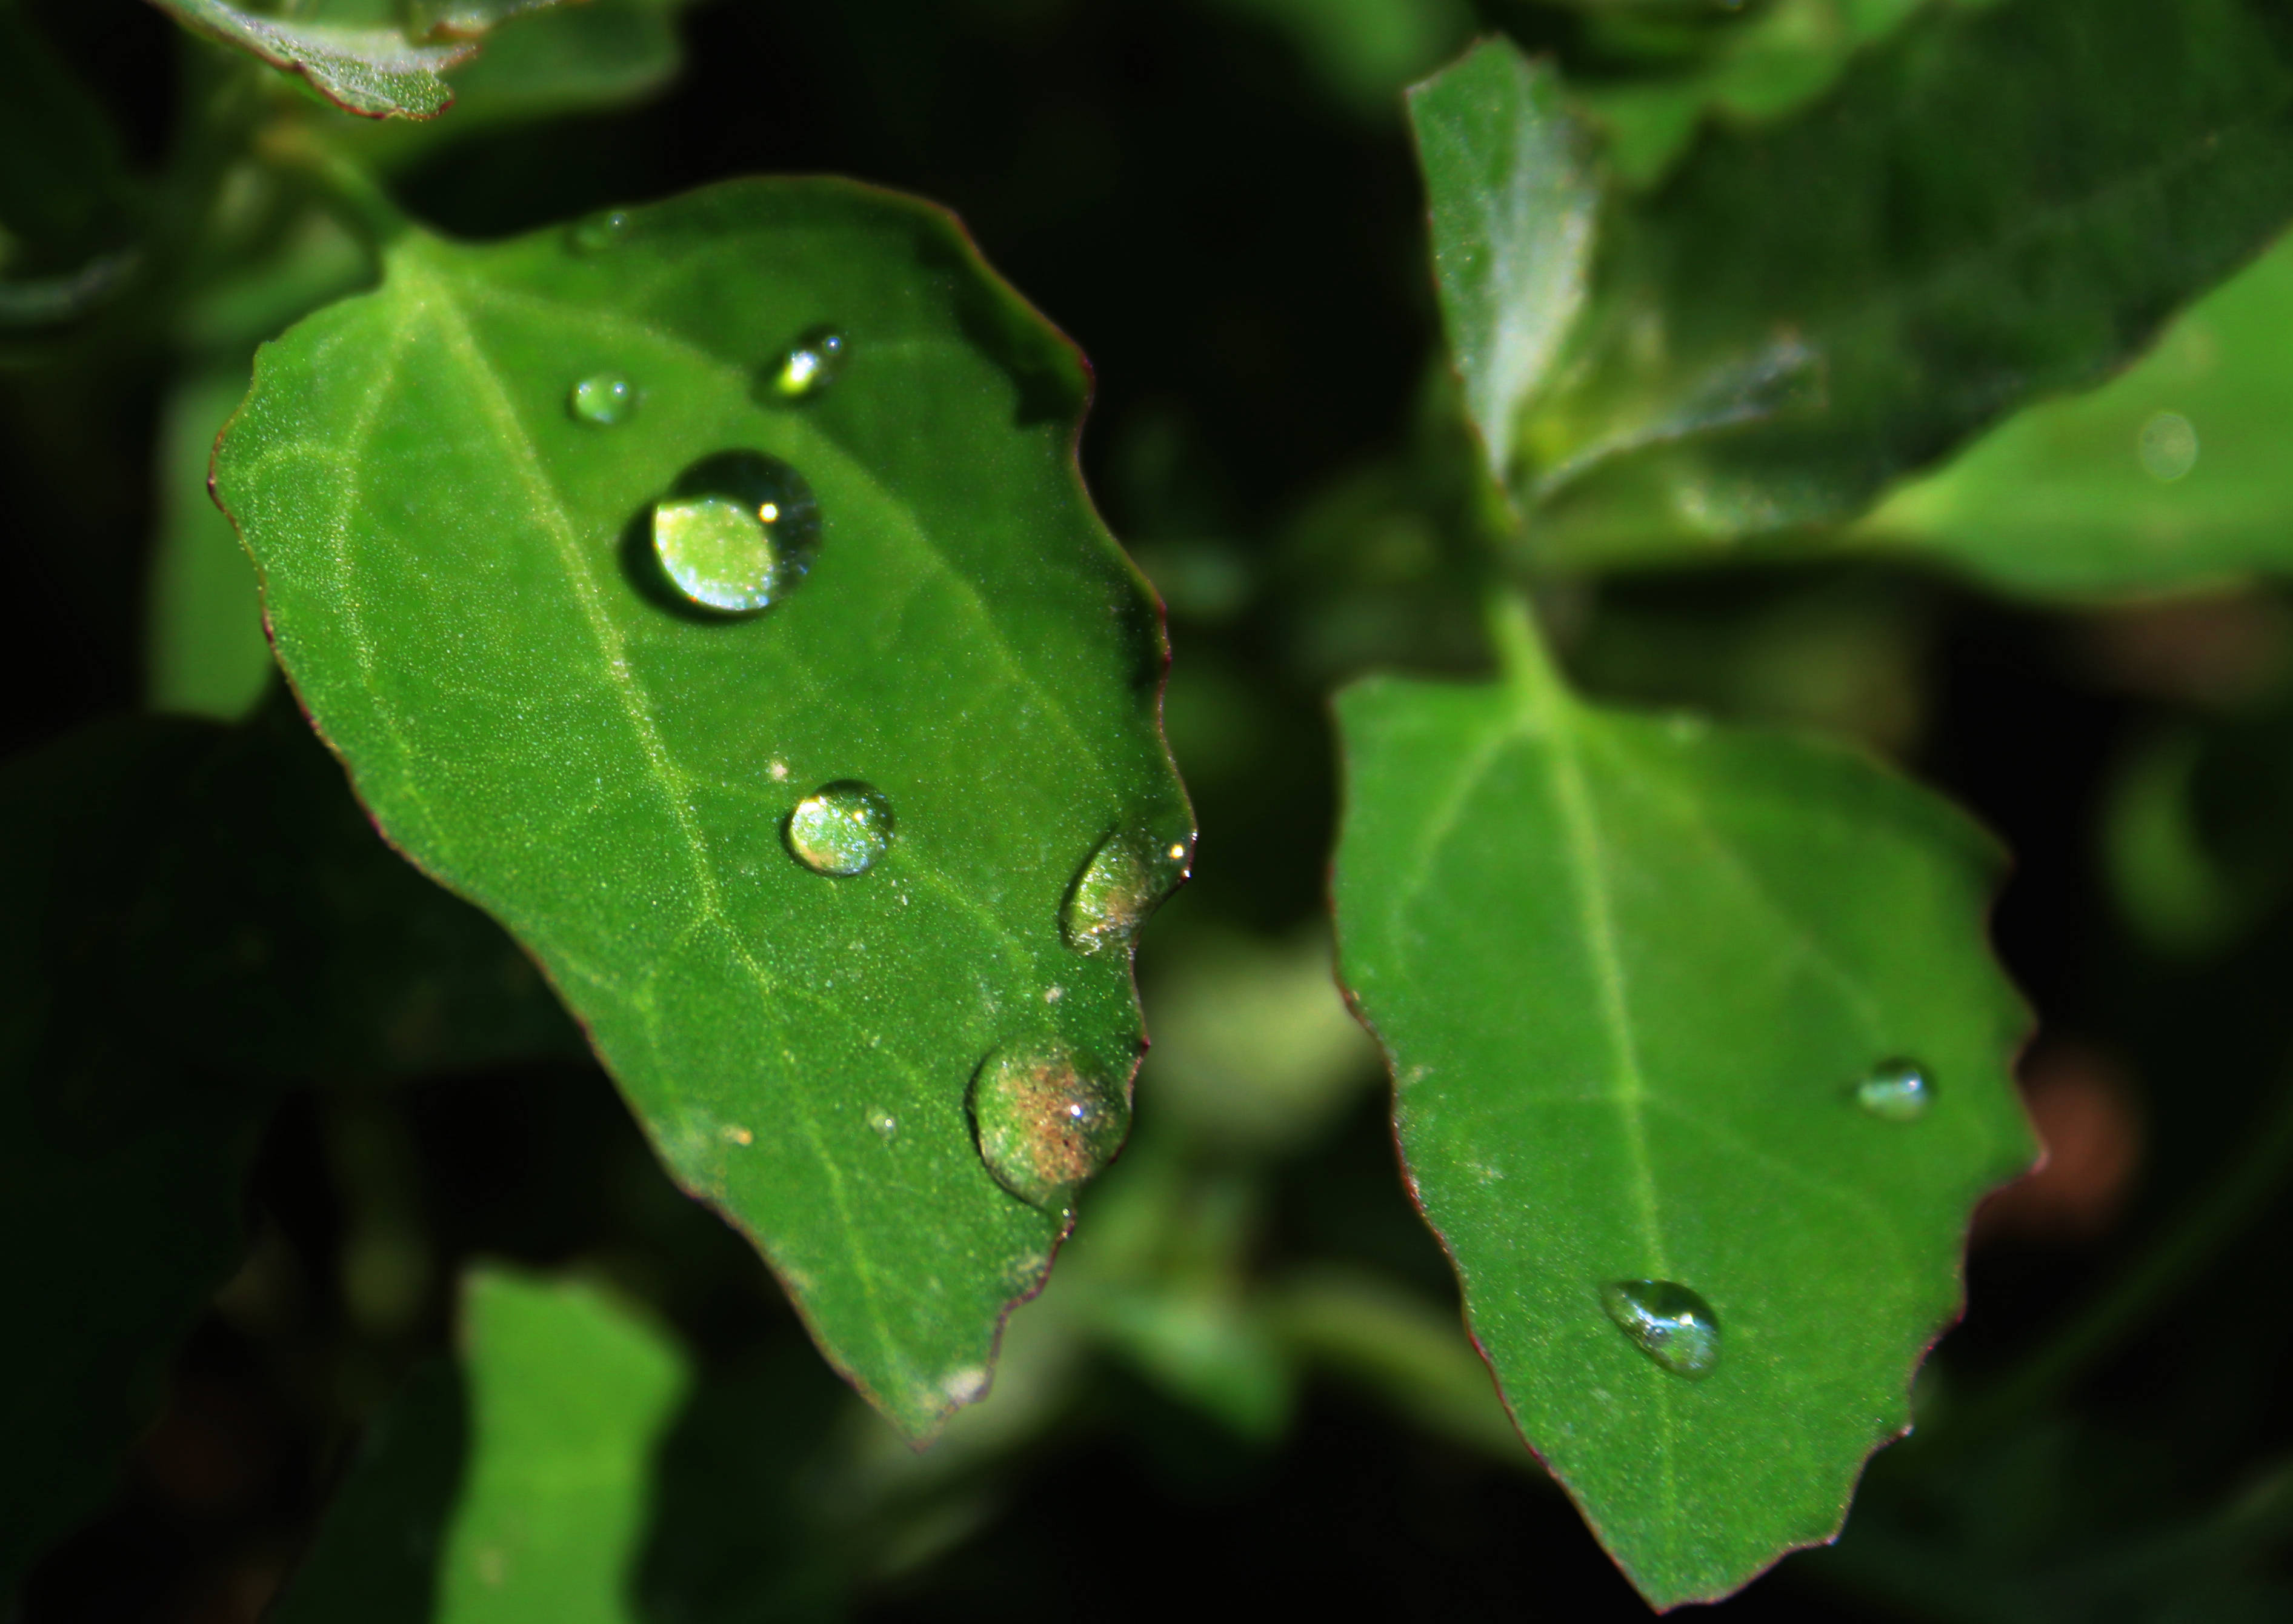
<point x="2172" y="476"/>
<point x="1803" y="313"/>
<point x="1512" y="204"/>
<point x="459" y="580"/>
<point x="1629" y="974"/>
<point x="517" y="1495"/>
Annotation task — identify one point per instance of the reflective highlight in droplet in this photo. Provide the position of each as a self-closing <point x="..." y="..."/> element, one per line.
<point x="1896" y="1091"/>
<point x="737" y="532"/>
<point x="598" y="232"/>
<point x="886" y="1127"/>
<point x="603" y="399"/>
<point x="1044" y="1123"/>
<point x="1671" y="1324"/>
<point x="840" y="828"/>
<point x="1125" y="880"/>
<point x="809" y="365"/>
<point x="2168" y="447"/>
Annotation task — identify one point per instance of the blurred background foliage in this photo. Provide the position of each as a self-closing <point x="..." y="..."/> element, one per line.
<point x="1247" y="1382"/>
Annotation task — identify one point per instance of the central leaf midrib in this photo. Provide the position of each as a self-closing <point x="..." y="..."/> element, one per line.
<point x="667" y="776"/>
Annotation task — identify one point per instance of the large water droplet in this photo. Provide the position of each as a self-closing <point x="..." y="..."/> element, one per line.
<point x="598" y="232"/>
<point x="808" y="365"/>
<point x="603" y="398"/>
<point x="737" y="531"/>
<point x="2168" y="446"/>
<point x="1666" y="1321"/>
<point x="1044" y="1123"/>
<point x="1897" y="1090"/>
<point x="840" y="828"/>
<point x="1124" y="881"/>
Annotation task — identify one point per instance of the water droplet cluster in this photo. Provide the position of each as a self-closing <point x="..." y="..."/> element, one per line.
<point x="1045" y="1121"/>
<point x="841" y="828"/>
<point x="1668" y="1322"/>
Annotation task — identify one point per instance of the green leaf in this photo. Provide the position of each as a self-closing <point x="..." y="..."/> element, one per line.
<point x="1629" y="973"/>
<point x="69" y="211"/>
<point x="460" y="582"/>
<point x="208" y="655"/>
<point x="1804" y="311"/>
<point x="565" y="1400"/>
<point x="190" y="918"/>
<point x="1512" y="204"/>
<point x="365" y="56"/>
<point x="2169" y="476"/>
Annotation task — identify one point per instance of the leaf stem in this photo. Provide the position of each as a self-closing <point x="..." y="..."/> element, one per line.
<point x="1523" y="660"/>
<point x="345" y="186"/>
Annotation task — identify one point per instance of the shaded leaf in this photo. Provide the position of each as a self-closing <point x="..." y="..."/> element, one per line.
<point x="1804" y="311"/>
<point x="69" y="211"/>
<point x="2171" y="475"/>
<point x="459" y="575"/>
<point x="1512" y="205"/>
<point x="563" y="1400"/>
<point x="190" y="918"/>
<point x="1629" y="974"/>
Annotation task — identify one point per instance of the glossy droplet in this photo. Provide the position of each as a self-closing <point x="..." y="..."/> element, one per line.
<point x="1126" y="879"/>
<point x="1896" y="1089"/>
<point x="809" y="365"/>
<point x="738" y="532"/>
<point x="840" y="828"/>
<point x="598" y="232"/>
<point x="885" y="1125"/>
<point x="1668" y="1322"/>
<point x="1044" y="1124"/>
<point x="603" y="398"/>
<point x="2168" y="446"/>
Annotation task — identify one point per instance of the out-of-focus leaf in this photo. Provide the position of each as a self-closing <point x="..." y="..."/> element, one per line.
<point x="1365" y="51"/>
<point x="193" y="917"/>
<point x="1512" y="204"/>
<point x="375" y="1559"/>
<point x="1747" y="64"/>
<point x="2170" y="476"/>
<point x="208" y="655"/>
<point x="462" y="581"/>
<point x="585" y="57"/>
<point x="366" y="58"/>
<point x="1630" y="975"/>
<point x="376" y="72"/>
<point x="1806" y="310"/>
<point x="568" y="1396"/>
<point x="69" y="209"/>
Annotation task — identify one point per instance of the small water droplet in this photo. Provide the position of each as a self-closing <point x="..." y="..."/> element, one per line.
<point x="1044" y="1124"/>
<point x="2168" y="446"/>
<point x="840" y="828"/>
<point x="808" y="365"/>
<point x="1668" y="1322"/>
<point x="737" y="531"/>
<point x="1126" y="879"/>
<point x="603" y="398"/>
<point x="887" y="1126"/>
<point x="1897" y="1090"/>
<point x="735" y="1134"/>
<point x="598" y="232"/>
<point x="777" y="772"/>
